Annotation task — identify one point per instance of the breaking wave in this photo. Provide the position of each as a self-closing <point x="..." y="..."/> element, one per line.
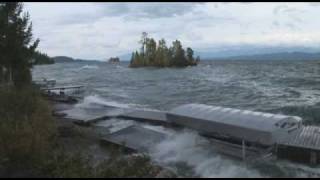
<point x="195" y="153"/>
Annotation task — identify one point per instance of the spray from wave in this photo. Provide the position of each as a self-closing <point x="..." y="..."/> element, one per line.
<point x="195" y="152"/>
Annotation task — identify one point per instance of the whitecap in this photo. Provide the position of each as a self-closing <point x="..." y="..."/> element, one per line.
<point x="89" y="67"/>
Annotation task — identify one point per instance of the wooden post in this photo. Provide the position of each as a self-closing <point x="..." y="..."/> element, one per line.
<point x="243" y="150"/>
<point x="313" y="158"/>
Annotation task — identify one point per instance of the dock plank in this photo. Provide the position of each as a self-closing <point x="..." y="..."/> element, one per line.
<point x="308" y="138"/>
<point x="149" y="116"/>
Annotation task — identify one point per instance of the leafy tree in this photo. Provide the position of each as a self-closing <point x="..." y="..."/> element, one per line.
<point x="16" y="46"/>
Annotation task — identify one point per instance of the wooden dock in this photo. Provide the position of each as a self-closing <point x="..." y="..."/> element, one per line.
<point x="303" y="147"/>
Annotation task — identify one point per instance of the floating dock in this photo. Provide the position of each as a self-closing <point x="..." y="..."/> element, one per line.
<point x="148" y="116"/>
<point x="135" y="138"/>
<point x="238" y="133"/>
<point x="87" y="116"/>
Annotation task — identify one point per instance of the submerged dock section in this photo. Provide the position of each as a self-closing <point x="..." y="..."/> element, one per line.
<point x="135" y="138"/>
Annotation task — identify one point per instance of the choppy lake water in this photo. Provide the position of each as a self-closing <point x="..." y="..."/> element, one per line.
<point x="286" y="87"/>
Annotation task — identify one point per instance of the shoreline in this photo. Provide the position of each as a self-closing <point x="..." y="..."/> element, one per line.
<point x="86" y="140"/>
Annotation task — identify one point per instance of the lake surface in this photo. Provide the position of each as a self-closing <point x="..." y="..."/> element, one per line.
<point x="286" y="87"/>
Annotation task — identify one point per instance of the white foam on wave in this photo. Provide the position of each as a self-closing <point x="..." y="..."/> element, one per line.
<point x="299" y="170"/>
<point x="93" y="100"/>
<point x="195" y="151"/>
<point x="89" y="67"/>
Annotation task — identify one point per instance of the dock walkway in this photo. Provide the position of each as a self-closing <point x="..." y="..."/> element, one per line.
<point x="87" y="116"/>
<point x="302" y="147"/>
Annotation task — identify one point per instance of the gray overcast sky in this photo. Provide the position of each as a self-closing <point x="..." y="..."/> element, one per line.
<point x="101" y="30"/>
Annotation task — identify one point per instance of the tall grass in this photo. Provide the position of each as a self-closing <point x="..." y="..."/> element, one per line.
<point x="27" y="128"/>
<point x="29" y="144"/>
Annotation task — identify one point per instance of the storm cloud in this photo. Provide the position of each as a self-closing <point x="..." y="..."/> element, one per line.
<point x="101" y="30"/>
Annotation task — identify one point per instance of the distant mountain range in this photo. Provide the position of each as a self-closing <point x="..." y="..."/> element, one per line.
<point x="251" y="50"/>
<point x="258" y="56"/>
<point x="275" y="56"/>
<point x="65" y="59"/>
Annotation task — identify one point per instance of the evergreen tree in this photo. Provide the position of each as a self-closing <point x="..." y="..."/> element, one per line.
<point x="178" y="54"/>
<point x="143" y="42"/>
<point x="41" y="58"/>
<point x="132" y="58"/>
<point x="190" y="55"/>
<point x="197" y="59"/>
<point x="16" y="46"/>
<point x="159" y="55"/>
<point x="151" y="47"/>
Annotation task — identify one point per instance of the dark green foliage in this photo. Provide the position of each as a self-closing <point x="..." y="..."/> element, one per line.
<point x="16" y="44"/>
<point x="41" y="58"/>
<point x="159" y="55"/>
<point x="62" y="59"/>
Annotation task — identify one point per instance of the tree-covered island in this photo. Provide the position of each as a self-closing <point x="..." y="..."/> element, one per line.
<point x="159" y="55"/>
